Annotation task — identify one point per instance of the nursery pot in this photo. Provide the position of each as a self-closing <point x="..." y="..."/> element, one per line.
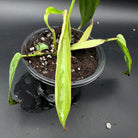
<point x="49" y="84"/>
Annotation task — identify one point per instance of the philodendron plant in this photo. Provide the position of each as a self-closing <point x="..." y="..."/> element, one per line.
<point x="63" y="54"/>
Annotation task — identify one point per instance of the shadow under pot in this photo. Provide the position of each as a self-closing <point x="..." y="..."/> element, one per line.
<point x="86" y="65"/>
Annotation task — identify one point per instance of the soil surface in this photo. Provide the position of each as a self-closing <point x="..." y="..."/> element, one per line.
<point x="83" y="62"/>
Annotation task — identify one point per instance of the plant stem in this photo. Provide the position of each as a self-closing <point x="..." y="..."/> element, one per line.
<point x="54" y="39"/>
<point x="71" y="7"/>
<point x="111" y="39"/>
<point x="52" y="31"/>
<point x="34" y="55"/>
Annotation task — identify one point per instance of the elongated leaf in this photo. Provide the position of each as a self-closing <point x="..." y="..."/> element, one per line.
<point x="13" y="66"/>
<point x="122" y="43"/>
<point x="87" y="33"/>
<point x="41" y="46"/>
<point x="87" y="44"/>
<point x="96" y="42"/>
<point x="63" y="73"/>
<point x="87" y="9"/>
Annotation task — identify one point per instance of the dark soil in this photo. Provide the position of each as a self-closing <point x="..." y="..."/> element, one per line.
<point x="83" y="62"/>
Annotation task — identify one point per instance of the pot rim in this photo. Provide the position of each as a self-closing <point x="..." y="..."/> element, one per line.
<point x="74" y="84"/>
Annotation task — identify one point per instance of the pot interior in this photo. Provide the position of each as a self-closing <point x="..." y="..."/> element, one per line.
<point x="87" y="64"/>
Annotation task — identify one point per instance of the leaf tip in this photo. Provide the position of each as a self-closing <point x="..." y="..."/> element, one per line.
<point x="63" y="122"/>
<point x="64" y="129"/>
<point x="126" y="73"/>
<point x="92" y="22"/>
<point x="12" y="102"/>
<point x="80" y="27"/>
<point x="62" y="118"/>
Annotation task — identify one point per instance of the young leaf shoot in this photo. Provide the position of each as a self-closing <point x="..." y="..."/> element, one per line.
<point x="41" y="46"/>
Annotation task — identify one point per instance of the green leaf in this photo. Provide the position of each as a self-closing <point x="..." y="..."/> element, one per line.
<point x="122" y="43"/>
<point x="41" y="46"/>
<point x="51" y="10"/>
<point x="87" y="44"/>
<point x="96" y="42"/>
<point x="63" y="73"/>
<point x="87" y="33"/>
<point x="13" y="66"/>
<point x="87" y="9"/>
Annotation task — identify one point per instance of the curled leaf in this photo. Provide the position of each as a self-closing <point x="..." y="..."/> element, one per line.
<point x="51" y="10"/>
<point x="13" y="66"/>
<point x="122" y="43"/>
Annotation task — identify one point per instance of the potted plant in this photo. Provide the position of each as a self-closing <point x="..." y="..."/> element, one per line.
<point x="61" y="48"/>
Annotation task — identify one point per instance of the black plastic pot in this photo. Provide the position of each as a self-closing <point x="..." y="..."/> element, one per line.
<point x="48" y="84"/>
